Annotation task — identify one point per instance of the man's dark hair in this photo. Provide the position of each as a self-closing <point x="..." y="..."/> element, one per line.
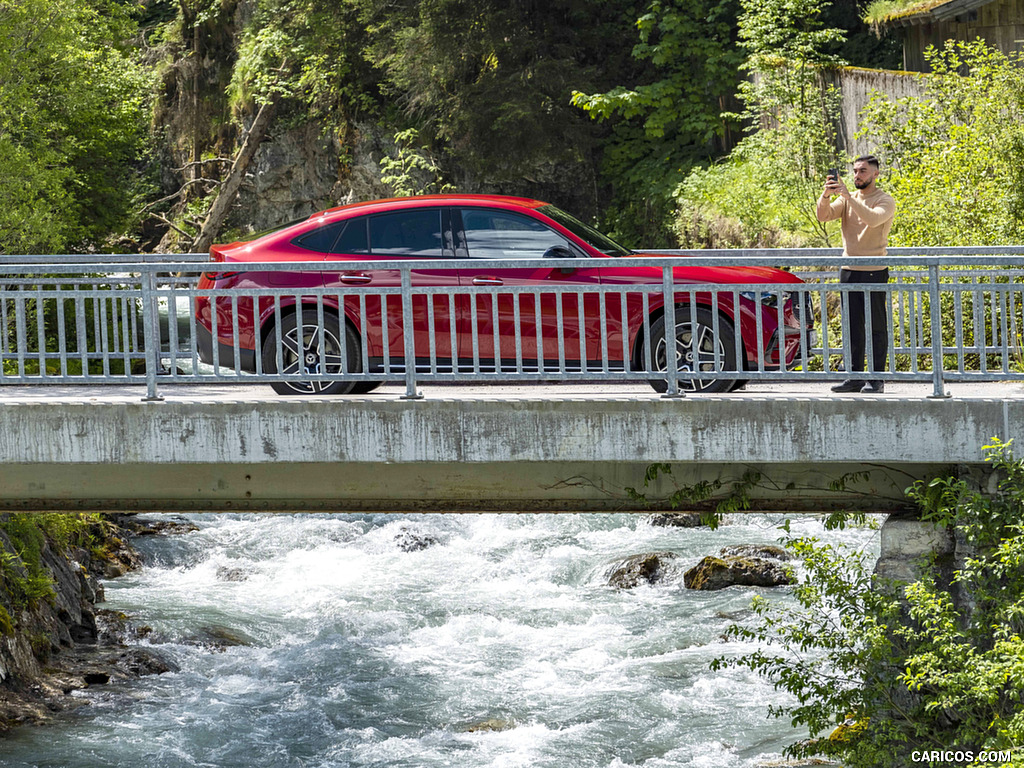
<point x="870" y="160"/>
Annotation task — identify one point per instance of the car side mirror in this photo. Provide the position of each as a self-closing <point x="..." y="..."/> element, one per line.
<point x="559" y="252"/>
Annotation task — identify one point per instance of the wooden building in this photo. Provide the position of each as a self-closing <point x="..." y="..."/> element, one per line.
<point x="999" y="22"/>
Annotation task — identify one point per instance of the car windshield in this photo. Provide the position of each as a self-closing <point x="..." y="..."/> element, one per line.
<point x="589" y="235"/>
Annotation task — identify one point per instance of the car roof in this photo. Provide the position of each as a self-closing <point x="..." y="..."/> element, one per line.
<point x="503" y="201"/>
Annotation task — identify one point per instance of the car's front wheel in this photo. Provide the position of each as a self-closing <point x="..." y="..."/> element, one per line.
<point x="697" y="348"/>
<point x="305" y="347"/>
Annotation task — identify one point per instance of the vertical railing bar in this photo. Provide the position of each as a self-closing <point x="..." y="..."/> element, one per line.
<point x="236" y="350"/>
<point x="645" y="302"/>
<point x="495" y="328"/>
<point x="559" y="297"/>
<point x="409" y="337"/>
<point x="538" y="327"/>
<point x="364" y="334"/>
<point x="474" y="317"/>
<point x="385" y="333"/>
<point x="453" y="337"/>
<point x="668" y="297"/>
<point x="891" y="357"/>
<point x="624" y="331"/>
<point x="697" y="382"/>
<point x="581" y="327"/>
<point x="826" y="352"/>
<point x="41" y="330"/>
<point x="518" y="330"/>
<point x="602" y="308"/>
<point x="844" y="326"/>
<point x="151" y="332"/>
<point x="321" y="330"/>
<point x="936" y="326"/>
<point x="105" y="335"/>
<point x="62" y="342"/>
<point x="759" y="330"/>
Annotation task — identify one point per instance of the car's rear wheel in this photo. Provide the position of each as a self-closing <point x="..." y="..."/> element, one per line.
<point x="305" y="347"/>
<point x="712" y="352"/>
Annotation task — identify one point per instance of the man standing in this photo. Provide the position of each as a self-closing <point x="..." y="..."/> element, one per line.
<point x="866" y="215"/>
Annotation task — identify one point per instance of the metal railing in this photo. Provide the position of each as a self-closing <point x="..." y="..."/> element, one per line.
<point x="956" y="315"/>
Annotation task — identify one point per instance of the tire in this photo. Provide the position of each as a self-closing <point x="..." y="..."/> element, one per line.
<point x="310" y="347"/>
<point x="706" y="351"/>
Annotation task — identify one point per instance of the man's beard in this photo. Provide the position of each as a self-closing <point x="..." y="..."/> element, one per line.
<point x="862" y="184"/>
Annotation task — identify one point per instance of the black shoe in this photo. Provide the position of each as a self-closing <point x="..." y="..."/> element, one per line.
<point x="874" y="387"/>
<point x="850" y="385"/>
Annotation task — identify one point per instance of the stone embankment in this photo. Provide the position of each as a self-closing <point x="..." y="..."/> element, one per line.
<point x="54" y="639"/>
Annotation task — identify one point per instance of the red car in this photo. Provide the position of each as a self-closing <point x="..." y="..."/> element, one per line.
<point x="577" y="326"/>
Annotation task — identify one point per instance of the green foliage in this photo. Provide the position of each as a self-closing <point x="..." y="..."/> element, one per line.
<point x="763" y="194"/>
<point x="673" y="117"/>
<point x="24" y="578"/>
<point x="414" y="170"/>
<point x="956" y="153"/>
<point x="307" y="51"/>
<point x="72" y="122"/>
<point x="890" y="669"/>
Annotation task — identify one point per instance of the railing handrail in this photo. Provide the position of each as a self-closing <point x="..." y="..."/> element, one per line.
<point x="987" y="256"/>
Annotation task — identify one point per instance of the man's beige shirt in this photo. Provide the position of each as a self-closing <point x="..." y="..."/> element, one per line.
<point x="866" y="221"/>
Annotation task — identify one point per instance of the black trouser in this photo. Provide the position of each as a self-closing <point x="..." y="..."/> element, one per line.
<point x="879" y="317"/>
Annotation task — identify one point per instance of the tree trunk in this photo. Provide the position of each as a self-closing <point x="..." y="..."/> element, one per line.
<point x="229" y="189"/>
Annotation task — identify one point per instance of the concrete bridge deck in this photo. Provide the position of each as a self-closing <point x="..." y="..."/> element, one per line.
<point x="792" y="446"/>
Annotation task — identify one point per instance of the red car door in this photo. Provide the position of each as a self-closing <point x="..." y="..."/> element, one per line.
<point x="416" y="233"/>
<point x="562" y="329"/>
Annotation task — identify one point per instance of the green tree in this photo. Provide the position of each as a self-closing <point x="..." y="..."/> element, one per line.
<point x="885" y="670"/>
<point x="673" y="117"/>
<point x="764" y="192"/>
<point x="487" y="85"/>
<point x="73" y="123"/>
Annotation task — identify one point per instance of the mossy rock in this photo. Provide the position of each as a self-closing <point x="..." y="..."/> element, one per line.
<point x="714" y="573"/>
<point x="648" y="568"/>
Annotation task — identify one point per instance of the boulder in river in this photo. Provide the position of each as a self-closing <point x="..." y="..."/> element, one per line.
<point x="648" y="568"/>
<point x="713" y="573"/>
<point x="676" y="520"/>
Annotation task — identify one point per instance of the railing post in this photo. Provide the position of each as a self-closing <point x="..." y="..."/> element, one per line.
<point x="408" y="337"/>
<point x="935" y="312"/>
<point x="671" y="364"/>
<point x="151" y="333"/>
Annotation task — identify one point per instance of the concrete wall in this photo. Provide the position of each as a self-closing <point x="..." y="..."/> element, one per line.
<point x="360" y="454"/>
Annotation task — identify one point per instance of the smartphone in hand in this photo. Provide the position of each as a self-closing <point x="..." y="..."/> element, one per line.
<point x="833" y="173"/>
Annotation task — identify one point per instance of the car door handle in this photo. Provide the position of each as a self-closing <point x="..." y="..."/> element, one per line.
<point x="488" y="281"/>
<point x="355" y="278"/>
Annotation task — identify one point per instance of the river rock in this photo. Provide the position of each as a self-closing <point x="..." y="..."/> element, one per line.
<point x="414" y="541"/>
<point x="676" y="520"/>
<point x="713" y="573"/>
<point x="763" y="551"/>
<point x="648" y="568"/>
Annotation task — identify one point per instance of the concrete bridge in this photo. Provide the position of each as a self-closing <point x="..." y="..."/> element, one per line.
<point x="787" y="446"/>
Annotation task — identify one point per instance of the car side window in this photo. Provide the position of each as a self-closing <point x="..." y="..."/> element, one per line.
<point x="502" y="235"/>
<point x="321" y="239"/>
<point x="407" y="233"/>
<point x="353" y="239"/>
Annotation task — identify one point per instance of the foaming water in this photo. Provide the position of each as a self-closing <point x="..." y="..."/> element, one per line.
<point x="317" y="640"/>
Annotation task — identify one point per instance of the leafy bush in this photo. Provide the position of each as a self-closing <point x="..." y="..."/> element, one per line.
<point x="957" y="153"/>
<point x="888" y="669"/>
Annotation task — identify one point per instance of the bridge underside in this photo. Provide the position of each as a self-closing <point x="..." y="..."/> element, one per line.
<point x="488" y="455"/>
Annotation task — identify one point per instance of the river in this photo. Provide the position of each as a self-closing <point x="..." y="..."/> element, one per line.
<point x="318" y="641"/>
